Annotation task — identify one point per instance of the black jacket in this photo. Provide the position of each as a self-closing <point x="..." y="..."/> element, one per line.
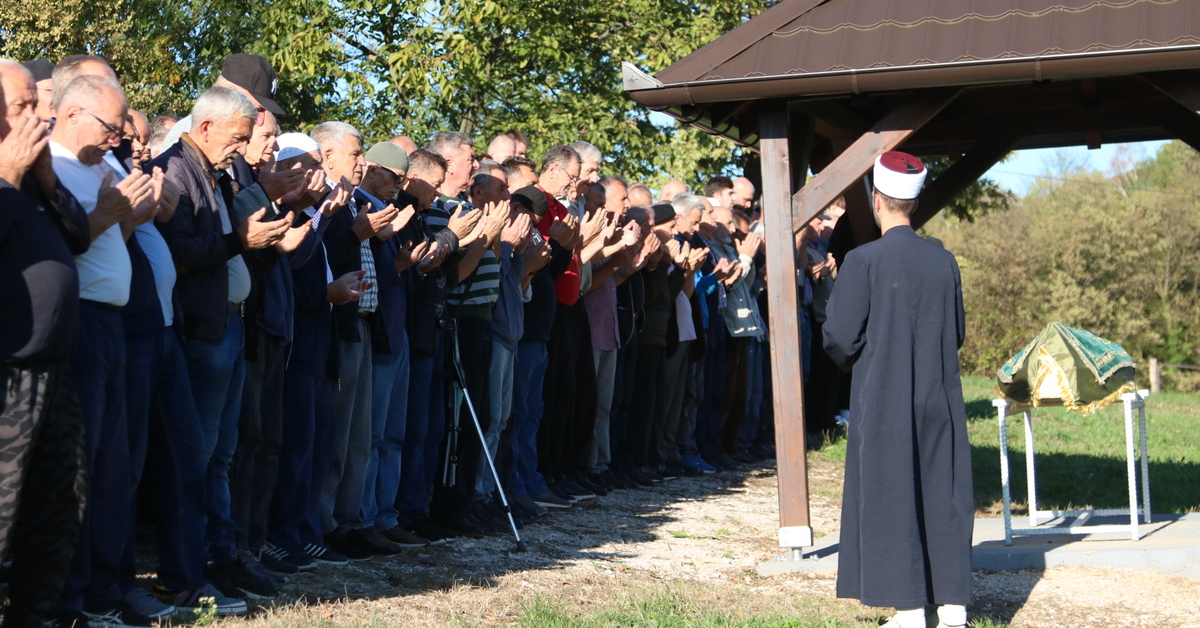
<point x="194" y="235"/>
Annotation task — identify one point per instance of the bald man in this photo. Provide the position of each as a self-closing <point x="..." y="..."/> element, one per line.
<point x="403" y="141"/>
<point x="743" y="194"/>
<point x="671" y="189"/>
<point x="502" y="147"/>
<point x="639" y="195"/>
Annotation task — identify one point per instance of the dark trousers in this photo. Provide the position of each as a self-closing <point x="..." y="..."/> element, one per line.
<point x="708" y="415"/>
<point x="622" y="404"/>
<point x="649" y="405"/>
<point x="569" y="395"/>
<point x="475" y="354"/>
<point x="733" y="411"/>
<point x="424" y="433"/>
<point x="42" y="495"/>
<point x="822" y="395"/>
<point x="255" y="467"/>
<point x="99" y="366"/>
<point x="296" y="498"/>
<point x="163" y="420"/>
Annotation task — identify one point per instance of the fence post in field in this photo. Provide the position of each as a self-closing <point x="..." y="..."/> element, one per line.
<point x="1155" y="376"/>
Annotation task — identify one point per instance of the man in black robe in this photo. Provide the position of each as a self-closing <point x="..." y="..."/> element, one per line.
<point x="896" y="318"/>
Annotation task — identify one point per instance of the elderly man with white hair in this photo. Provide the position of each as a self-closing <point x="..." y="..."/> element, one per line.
<point x="207" y="244"/>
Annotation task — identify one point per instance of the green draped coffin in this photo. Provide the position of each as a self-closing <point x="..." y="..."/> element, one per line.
<point x="1067" y="367"/>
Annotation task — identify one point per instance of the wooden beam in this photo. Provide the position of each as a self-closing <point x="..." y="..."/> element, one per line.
<point x="795" y="531"/>
<point x="860" y="214"/>
<point x="855" y="161"/>
<point x="1181" y="86"/>
<point x="834" y="120"/>
<point x="939" y="192"/>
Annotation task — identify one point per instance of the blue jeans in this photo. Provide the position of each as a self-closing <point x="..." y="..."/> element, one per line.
<point x="528" y="374"/>
<point x="389" y="414"/>
<point x="99" y="366"/>
<point x="500" y="392"/>
<point x="217" y="373"/>
<point x="162" y="417"/>
<point x="424" y="430"/>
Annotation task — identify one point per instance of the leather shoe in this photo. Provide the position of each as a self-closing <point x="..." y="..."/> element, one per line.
<point x="404" y="538"/>
<point x="373" y="541"/>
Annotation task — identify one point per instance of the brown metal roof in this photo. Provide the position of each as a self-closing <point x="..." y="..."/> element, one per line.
<point x="811" y="48"/>
<point x="1053" y="72"/>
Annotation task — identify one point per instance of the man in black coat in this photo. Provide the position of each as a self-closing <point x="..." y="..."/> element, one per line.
<point x="896" y="318"/>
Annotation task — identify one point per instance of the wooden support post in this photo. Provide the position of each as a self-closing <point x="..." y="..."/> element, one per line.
<point x="795" y="530"/>
<point x="939" y="192"/>
<point x="860" y="214"/>
<point x="857" y="160"/>
<point x="1155" y="376"/>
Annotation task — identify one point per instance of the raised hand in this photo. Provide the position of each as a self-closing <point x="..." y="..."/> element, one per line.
<point x="434" y="258"/>
<point x="336" y="199"/>
<point x="518" y="232"/>
<point x="537" y="256"/>
<point x="170" y="197"/>
<point x="749" y="245"/>
<point x="696" y="259"/>
<point x="631" y="234"/>
<point x="282" y="184"/>
<point x="293" y="236"/>
<point x="463" y="224"/>
<point x="562" y="232"/>
<point x="592" y="226"/>
<point x="259" y="235"/>
<point x="406" y="258"/>
<point x="369" y="223"/>
<point x="347" y="288"/>
<point x="675" y="251"/>
<point x="496" y="217"/>
<point x="21" y="148"/>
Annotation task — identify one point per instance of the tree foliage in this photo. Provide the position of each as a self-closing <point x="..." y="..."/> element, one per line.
<point x="551" y="69"/>
<point x="1119" y="256"/>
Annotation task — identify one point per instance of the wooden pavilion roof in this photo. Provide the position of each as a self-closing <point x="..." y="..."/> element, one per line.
<point x="1041" y="73"/>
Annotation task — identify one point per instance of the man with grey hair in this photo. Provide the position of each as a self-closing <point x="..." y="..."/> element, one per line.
<point x="90" y="115"/>
<point x="207" y="243"/>
<point x="589" y="173"/>
<point x="347" y="243"/>
<point x="75" y="66"/>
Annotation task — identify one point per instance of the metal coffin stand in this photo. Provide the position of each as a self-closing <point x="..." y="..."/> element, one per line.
<point x="1133" y="402"/>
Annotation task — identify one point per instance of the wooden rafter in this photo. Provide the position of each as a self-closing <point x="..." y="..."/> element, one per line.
<point x="855" y="161"/>
<point x="965" y="171"/>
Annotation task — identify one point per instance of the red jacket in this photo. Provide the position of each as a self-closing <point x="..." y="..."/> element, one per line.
<point x="567" y="285"/>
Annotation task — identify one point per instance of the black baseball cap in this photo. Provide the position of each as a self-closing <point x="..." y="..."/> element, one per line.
<point x="41" y="69"/>
<point x="533" y="199"/>
<point x="253" y="74"/>
<point x="663" y="213"/>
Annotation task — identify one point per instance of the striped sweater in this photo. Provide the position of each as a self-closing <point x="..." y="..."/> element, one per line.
<point x="476" y="294"/>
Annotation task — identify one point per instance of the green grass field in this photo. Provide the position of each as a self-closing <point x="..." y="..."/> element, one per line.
<point x="1081" y="460"/>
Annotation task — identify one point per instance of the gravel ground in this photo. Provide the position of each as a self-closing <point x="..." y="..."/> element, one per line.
<point x="701" y="535"/>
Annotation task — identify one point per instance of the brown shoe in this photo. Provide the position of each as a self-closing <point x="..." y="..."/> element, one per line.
<point x="404" y="538"/>
<point x="371" y="540"/>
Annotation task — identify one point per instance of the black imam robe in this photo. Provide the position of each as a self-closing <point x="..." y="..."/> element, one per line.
<point x="896" y="318"/>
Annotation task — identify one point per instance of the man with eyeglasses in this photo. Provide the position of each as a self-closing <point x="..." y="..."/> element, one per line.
<point x="88" y="112"/>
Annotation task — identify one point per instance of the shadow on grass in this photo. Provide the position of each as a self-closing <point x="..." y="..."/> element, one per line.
<point x="1081" y="480"/>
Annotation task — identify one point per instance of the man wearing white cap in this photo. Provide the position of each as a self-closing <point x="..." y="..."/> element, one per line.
<point x="896" y="318"/>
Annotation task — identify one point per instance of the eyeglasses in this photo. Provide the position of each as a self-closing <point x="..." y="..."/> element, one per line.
<point x="112" y="130"/>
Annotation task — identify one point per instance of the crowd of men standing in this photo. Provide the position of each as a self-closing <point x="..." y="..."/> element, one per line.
<point x="282" y="341"/>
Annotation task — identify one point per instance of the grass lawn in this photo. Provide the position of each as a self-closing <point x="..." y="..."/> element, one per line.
<point x="1081" y="460"/>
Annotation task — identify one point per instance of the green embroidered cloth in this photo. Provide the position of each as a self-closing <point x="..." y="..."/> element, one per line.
<point x="1068" y="367"/>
